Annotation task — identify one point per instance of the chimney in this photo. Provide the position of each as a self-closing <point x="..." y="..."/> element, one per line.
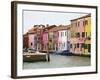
<point x="47" y="25"/>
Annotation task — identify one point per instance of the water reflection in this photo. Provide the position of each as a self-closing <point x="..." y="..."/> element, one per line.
<point x="58" y="61"/>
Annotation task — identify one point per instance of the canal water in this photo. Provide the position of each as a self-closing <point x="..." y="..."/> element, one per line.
<point x="59" y="61"/>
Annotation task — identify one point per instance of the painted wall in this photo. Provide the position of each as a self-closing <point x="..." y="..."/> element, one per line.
<point x="25" y="41"/>
<point x="31" y="41"/>
<point x="45" y="40"/>
<point x="35" y="41"/>
<point x="81" y="37"/>
<point x="73" y="39"/>
<point x="62" y="40"/>
<point x="56" y="35"/>
<point x="51" y="40"/>
<point x="88" y="35"/>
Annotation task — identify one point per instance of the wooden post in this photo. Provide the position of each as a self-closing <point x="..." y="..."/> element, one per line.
<point x="48" y="56"/>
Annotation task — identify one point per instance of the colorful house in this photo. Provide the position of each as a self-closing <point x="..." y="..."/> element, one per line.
<point x="35" y="41"/>
<point x="73" y="39"/>
<point x="39" y="33"/>
<point x="60" y="38"/>
<point x="81" y="35"/>
<point x="31" y="38"/>
<point x="45" y="39"/>
<point x="51" y="37"/>
<point x="25" y="41"/>
<point x="87" y="34"/>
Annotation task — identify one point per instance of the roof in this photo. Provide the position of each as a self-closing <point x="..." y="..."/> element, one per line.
<point x="32" y="30"/>
<point x="25" y="34"/>
<point x="50" y="28"/>
<point x="89" y="15"/>
<point x="60" y="27"/>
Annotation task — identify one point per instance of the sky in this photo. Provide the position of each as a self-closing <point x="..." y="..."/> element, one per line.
<point x="31" y="18"/>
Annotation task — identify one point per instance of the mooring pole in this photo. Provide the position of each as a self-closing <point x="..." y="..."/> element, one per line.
<point x="48" y="56"/>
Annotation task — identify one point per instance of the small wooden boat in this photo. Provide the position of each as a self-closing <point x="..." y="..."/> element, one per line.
<point x="28" y="57"/>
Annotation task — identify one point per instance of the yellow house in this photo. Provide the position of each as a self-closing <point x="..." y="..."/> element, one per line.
<point x="73" y="39"/>
<point x="87" y="24"/>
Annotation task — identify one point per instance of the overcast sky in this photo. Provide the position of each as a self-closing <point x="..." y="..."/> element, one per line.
<point x="31" y="18"/>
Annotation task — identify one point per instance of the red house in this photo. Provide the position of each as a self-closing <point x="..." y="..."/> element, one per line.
<point x="25" y="40"/>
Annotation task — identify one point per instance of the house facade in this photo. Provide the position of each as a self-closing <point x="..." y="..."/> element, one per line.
<point x="51" y="37"/>
<point x="81" y="35"/>
<point x="39" y="33"/>
<point x="87" y="34"/>
<point x="31" y="38"/>
<point x="56" y="36"/>
<point x="73" y="38"/>
<point x="63" y="38"/>
<point x="45" y="40"/>
<point x="25" y="41"/>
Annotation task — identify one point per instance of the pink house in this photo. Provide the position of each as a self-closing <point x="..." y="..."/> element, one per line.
<point x="80" y="36"/>
<point x="31" y="38"/>
<point x="45" y="40"/>
<point x="31" y="41"/>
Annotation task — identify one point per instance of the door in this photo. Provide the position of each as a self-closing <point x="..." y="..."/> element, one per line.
<point x="89" y="47"/>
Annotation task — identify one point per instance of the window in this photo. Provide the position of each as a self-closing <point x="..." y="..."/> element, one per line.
<point x="86" y="34"/>
<point x="65" y="33"/>
<point x="83" y="34"/>
<point x="86" y="46"/>
<point x="86" y="22"/>
<point x="70" y="45"/>
<point x="62" y="34"/>
<point x="31" y="43"/>
<point x="75" y="45"/>
<point x="78" y="34"/>
<point x="78" y="45"/>
<point x="82" y="45"/>
<point x="89" y="47"/>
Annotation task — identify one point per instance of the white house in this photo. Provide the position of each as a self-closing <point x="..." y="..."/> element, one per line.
<point x="63" y="38"/>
